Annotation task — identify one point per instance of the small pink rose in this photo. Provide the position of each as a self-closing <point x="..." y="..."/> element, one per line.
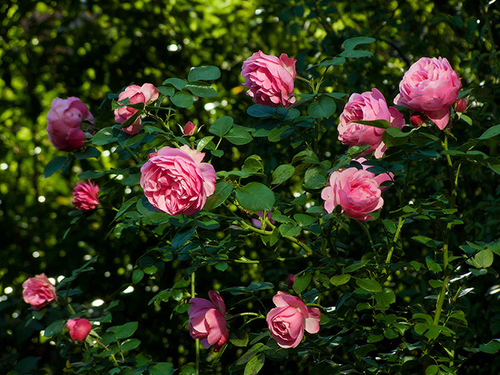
<point x="207" y="321"/>
<point x="290" y="280"/>
<point x="176" y="181"/>
<point x="38" y="291"/>
<point x="357" y="191"/>
<point x="189" y="128"/>
<point x="461" y="105"/>
<point x="146" y="94"/>
<point x="288" y="320"/>
<point x="270" y="79"/>
<point x="370" y="105"/>
<point x="66" y="123"/>
<point x="430" y="86"/>
<point x="85" y="196"/>
<point x="78" y="328"/>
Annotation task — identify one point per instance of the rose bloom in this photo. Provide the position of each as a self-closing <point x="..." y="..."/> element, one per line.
<point x="85" y="196"/>
<point x="370" y="105"/>
<point x="176" y="181"/>
<point x="78" y="328"/>
<point x="207" y="322"/>
<point x="357" y="191"/>
<point x="38" y="291"/>
<point x="430" y="86"/>
<point x="288" y="320"/>
<point x="270" y="79"/>
<point x="65" y="121"/>
<point x="146" y="94"/>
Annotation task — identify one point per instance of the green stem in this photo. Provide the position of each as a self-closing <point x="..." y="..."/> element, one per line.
<point x="136" y="158"/>
<point x="365" y="228"/>
<point x="197" y="341"/>
<point x="394" y="241"/>
<point x="70" y="308"/>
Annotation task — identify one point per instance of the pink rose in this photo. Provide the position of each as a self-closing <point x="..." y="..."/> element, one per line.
<point x="65" y="123"/>
<point x="85" y="196"/>
<point x="176" y="181"/>
<point x="38" y="291"/>
<point x="370" y="105"/>
<point x="430" y="86"/>
<point x="189" y="128"/>
<point x="357" y="191"/>
<point x="207" y="322"/>
<point x="270" y="79"/>
<point x="146" y="94"/>
<point x="78" y="328"/>
<point x="290" y="318"/>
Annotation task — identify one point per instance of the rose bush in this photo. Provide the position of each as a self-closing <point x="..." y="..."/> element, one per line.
<point x="370" y="105"/>
<point x="85" y="196"/>
<point x="38" y="291"/>
<point x="288" y="320"/>
<point x="66" y="123"/>
<point x="176" y="181"/>
<point x="430" y="86"/>
<point x="207" y="322"/>
<point x="145" y="94"/>
<point x="78" y="328"/>
<point x="270" y="79"/>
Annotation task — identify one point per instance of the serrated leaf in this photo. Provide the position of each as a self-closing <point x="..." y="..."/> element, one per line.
<point x="323" y="108"/>
<point x="176" y="82"/>
<point x="221" y="126"/>
<point x="239" y="136"/>
<point x="167" y="91"/>
<point x="182" y="100"/>
<point x="289" y="230"/>
<point x="255" y="197"/>
<point x="282" y="173"/>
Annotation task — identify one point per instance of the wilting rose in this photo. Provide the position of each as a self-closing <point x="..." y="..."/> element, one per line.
<point x="207" y="321"/>
<point x="288" y="320"/>
<point x="357" y="191"/>
<point x="430" y="86"/>
<point x="270" y="79"/>
<point x="67" y="123"/>
<point x="78" y="328"/>
<point x="38" y="291"/>
<point x="85" y="196"/>
<point x="368" y="106"/>
<point x="176" y="181"/>
<point x="146" y="94"/>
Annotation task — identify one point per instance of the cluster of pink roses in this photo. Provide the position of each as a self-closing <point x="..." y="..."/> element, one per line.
<point x="38" y="291"/>
<point x="286" y="322"/>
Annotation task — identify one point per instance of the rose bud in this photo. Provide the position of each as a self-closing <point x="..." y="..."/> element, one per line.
<point x="417" y="119"/>
<point x="290" y="280"/>
<point x="78" y="328"/>
<point x="461" y="105"/>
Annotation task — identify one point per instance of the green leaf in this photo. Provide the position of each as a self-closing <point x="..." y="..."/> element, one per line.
<point x="201" y="89"/>
<point x="282" y="173"/>
<point x="340" y="279"/>
<point x="260" y="111"/>
<point x="386" y="297"/>
<point x="355" y="266"/>
<point x="490" y="132"/>
<point x="137" y="276"/>
<point x="221" y="126"/>
<point x="432" y="370"/>
<point x="352" y="43"/>
<point x="315" y="178"/>
<point x="130" y="344"/>
<point x="204" y="73"/>
<point x="223" y="190"/>
<point x="167" y="91"/>
<point x="239" y="136"/>
<point x="182" y="237"/>
<point x="54" y="328"/>
<point x="162" y="368"/>
<point x="432" y="265"/>
<point x="54" y="165"/>
<point x="491" y="347"/>
<point x="89" y="152"/>
<point x="395" y="137"/>
<point x="239" y="338"/>
<point x="255" y="364"/>
<point x="323" y="108"/>
<point x="124" y="331"/>
<point x="289" y="230"/>
<point x="252" y="352"/>
<point x="255" y="197"/>
<point x="125" y="206"/>
<point x="253" y="287"/>
<point x="304" y="220"/>
<point x="176" y="82"/>
<point x="204" y="142"/>
<point x="334" y="61"/>
<point x="369" y="285"/>
<point x="106" y="136"/>
<point x="382" y="124"/>
<point x="484" y="258"/>
<point x="302" y="283"/>
<point x="182" y="99"/>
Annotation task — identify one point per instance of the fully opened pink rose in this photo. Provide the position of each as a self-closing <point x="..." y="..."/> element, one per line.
<point x="370" y="105"/>
<point x="270" y="79"/>
<point x="78" y="328"/>
<point x="430" y="86"/>
<point x="357" y="191"/>
<point x="288" y="320"/>
<point x="207" y="321"/>
<point x="146" y="94"/>
<point x="67" y="123"/>
<point x="38" y="291"/>
<point x="85" y="196"/>
<point x="176" y="181"/>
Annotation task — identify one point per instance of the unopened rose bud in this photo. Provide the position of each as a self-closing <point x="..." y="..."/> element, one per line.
<point x="189" y="128"/>
<point x="290" y="280"/>
<point x="461" y="105"/>
<point x="417" y="119"/>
